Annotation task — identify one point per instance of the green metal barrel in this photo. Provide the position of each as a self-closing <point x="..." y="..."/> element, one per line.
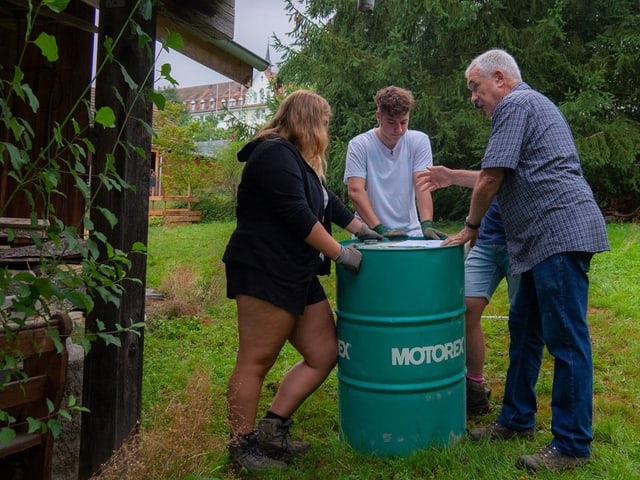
<point x="401" y="365"/>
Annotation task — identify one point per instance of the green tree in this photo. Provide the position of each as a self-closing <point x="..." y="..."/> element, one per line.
<point x="174" y="140"/>
<point x="229" y="169"/>
<point x="170" y="94"/>
<point x="207" y="129"/>
<point x="584" y="55"/>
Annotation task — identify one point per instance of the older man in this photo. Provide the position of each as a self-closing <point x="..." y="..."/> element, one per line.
<point x="553" y="228"/>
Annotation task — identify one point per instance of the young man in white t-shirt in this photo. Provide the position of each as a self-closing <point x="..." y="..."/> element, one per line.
<point x="381" y="168"/>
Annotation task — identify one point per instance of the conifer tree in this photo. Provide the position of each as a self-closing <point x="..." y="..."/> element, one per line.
<point x="584" y="55"/>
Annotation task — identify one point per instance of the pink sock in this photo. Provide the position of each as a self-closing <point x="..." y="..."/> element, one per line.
<point x="475" y="378"/>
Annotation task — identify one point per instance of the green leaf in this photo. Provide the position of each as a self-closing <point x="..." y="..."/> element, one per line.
<point x="56" y="5"/>
<point x="106" y="117"/>
<point x="143" y="37"/>
<point x="48" y="46"/>
<point x="80" y="300"/>
<point x="50" y="178"/>
<point x="173" y="40"/>
<point x="7" y="435"/>
<point x="108" y="46"/>
<point x="108" y="215"/>
<point x="158" y="100"/>
<point x="146" y="9"/>
<point x="18" y="76"/>
<point x="127" y="78"/>
<point x="64" y="414"/>
<point x="33" y="101"/>
<point x="58" y="136"/>
<point x="54" y="427"/>
<point x="82" y="185"/>
<point x="16" y="127"/>
<point x="110" y="339"/>
<point x="139" y="247"/>
<point x="34" y="425"/>
<point x="88" y="223"/>
<point x="141" y="152"/>
<point x="165" y="72"/>
<point x="18" y="157"/>
<point x="119" y="98"/>
<point x="54" y="333"/>
<point x="89" y="145"/>
<point x="85" y="342"/>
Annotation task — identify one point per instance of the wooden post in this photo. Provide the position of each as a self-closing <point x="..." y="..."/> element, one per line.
<point x="112" y="387"/>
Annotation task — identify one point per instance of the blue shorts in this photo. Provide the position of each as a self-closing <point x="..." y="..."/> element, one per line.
<point x="484" y="269"/>
<point x="292" y="297"/>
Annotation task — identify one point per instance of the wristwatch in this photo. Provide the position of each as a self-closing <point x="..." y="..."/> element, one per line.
<point x="471" y="226"/>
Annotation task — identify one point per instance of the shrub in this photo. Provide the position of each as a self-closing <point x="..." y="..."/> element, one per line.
<point x="217" y="207"/>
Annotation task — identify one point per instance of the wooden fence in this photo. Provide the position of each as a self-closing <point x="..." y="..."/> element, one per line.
<point x="172" y="216"/>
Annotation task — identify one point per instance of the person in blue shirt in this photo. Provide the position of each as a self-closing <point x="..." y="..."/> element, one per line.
<point x="553" y="226"/>
<point x="486" y="264"/>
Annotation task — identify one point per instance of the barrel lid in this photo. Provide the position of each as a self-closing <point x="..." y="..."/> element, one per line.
<point x="399" y="244"/>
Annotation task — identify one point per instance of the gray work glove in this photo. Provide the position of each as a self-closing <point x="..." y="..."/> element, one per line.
<point x="431" y="233"/>
<point x="365" y="233"/>
<point x="389" y="232"/>
<point x="349" y="258"/>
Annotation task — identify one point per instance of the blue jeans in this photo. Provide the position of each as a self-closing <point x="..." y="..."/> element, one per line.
<point x="550" y="308"/>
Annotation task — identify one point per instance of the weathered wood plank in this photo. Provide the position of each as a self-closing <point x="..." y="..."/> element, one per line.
<point x="22" y="223"/>
<point x="174" y="198"/>
<point x="41" y="379"/>
<point x="185" y="212"/>
<point x="20" y="392"/>
<point x="22" y="442"/>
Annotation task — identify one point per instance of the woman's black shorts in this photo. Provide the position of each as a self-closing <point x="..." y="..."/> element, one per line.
<point x="290" y="296"/>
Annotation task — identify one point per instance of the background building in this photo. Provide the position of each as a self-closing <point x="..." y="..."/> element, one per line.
<point x="231" y="101"/>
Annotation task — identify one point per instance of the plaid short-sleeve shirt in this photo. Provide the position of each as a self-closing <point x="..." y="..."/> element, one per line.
<point x="547" y="206"/>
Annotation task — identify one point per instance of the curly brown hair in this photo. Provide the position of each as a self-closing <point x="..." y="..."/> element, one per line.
<point x="394" y="101"/>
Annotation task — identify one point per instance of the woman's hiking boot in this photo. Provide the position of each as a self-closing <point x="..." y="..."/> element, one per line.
<point x="275" y="440"/>
<point x="477" y="398"/>
<point x="246" y="453"/>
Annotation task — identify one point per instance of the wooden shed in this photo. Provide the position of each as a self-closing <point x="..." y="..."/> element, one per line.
<point x="112" y="376"/>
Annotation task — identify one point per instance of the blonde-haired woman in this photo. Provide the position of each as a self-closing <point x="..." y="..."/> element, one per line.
<point x="282" y="242"/>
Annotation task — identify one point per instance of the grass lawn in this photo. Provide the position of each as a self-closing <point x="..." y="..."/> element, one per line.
<point x="190" y="346"/>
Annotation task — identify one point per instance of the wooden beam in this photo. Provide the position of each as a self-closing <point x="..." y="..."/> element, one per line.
<point x="112" y="382"/>
<point x="210" y="19"/>
<point x="205" y="53"/>
<point x="62" y="18"/>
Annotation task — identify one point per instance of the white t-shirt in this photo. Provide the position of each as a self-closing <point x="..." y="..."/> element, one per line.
<point x="388" y="175"/>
